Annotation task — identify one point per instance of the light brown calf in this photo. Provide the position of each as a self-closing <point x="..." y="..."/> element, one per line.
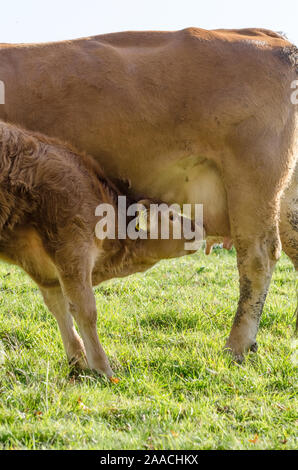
<point x="48" y="197"/>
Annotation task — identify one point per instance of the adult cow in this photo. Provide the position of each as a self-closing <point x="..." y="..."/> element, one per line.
<point x="192" y="116"/>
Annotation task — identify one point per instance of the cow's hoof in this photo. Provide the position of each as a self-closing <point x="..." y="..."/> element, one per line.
<point x="237" y="352"/>
<point x="254" y="347"/>
<point x="235" y="356"/>
<point x="238" y="358"/>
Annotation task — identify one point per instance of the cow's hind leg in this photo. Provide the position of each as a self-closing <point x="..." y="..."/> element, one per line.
<point x="73" y="345"/>
<point x="289" y="229"/>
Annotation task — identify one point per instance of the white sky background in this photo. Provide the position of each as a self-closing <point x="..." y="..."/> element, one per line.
<point x="52" y="20"/>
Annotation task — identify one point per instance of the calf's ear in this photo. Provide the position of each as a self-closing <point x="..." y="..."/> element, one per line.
<point x="143" y="214"/>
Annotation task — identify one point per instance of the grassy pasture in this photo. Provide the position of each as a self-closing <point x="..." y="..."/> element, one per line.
<point x="163" y="331"/>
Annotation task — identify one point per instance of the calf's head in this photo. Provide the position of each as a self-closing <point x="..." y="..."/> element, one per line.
<point x="153" y="232"/>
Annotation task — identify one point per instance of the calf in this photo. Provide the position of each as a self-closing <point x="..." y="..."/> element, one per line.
<point x="48" y="197"/>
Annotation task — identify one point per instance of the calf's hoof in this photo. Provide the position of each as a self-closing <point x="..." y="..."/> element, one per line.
<point x="107" y="372"/>
<point x="79" y="363"/>
<point x="103" y="370"/>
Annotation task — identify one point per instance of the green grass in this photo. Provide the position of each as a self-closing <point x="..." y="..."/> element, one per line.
<point x="164" y="332"/>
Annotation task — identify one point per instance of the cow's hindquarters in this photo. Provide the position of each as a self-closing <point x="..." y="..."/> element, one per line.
<point x="288" y="225"/>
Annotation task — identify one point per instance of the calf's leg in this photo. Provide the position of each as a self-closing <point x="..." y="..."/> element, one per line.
<point x="56" y="303"/>
<point x="77" y="288"/>
<point x="74" y="261"/>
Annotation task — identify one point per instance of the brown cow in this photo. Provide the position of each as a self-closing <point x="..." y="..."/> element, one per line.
<point x="191" y="116"/>
<point x="48" y="197"/>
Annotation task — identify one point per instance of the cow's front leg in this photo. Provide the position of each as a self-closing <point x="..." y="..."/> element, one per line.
<point x="256" y="259"/>
<point x="255" y="173"/>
